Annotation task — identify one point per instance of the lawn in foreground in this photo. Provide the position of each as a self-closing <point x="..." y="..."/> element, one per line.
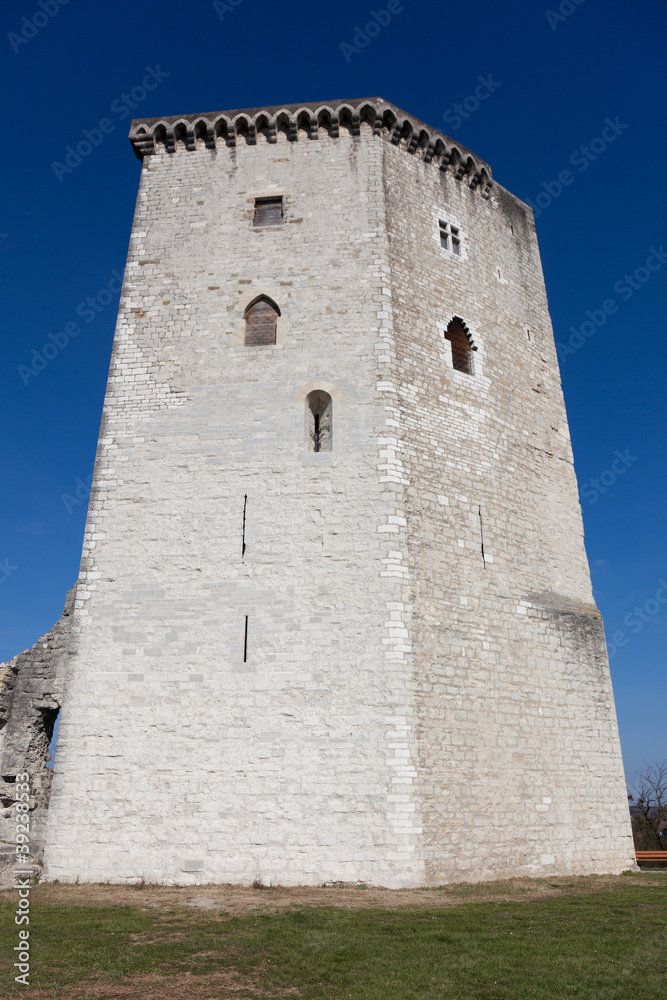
<point x="601" y="946"/>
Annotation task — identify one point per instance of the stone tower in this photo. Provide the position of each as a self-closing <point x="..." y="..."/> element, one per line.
<point x="334" y="619"/>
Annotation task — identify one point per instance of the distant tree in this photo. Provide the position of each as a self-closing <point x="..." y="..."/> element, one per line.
<point x="650" y="808"/>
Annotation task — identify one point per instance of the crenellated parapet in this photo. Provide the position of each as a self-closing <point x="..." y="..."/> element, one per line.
<point x="296" y="122"/>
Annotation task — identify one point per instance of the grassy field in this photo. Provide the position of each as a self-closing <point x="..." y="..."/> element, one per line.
<point x="599" y="938"/>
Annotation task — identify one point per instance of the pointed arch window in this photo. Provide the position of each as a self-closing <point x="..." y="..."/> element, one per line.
<point x="261" y="322"/>
<point x="461" y="347"/>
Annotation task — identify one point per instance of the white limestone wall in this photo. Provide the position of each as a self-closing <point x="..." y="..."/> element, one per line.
<point x="177" y="760"/>
<point x="520" y="769"/>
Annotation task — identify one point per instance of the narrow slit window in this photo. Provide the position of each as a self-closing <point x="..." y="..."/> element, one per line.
<point x="319" y="419"/>
<point x="461" y="349"/>
<point x="245" y="508"/>
<point x="268" y="212"/>
<point x="481" y="536"/>
<point x="261" y="322"/>
<point x="51" y="718"/>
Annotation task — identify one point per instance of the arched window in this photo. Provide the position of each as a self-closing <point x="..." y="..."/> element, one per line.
<point x="319" y="420"/>
<point x="461" y="349"/>
<point x="261" y="320"/>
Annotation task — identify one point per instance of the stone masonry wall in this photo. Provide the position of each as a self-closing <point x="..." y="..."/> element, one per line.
<point x="520" y="768"/>
<point x="397" y="682"/>
<point x="177" y="760"/>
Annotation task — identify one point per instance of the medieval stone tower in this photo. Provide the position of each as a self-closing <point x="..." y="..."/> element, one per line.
<point x="334" y="619"/>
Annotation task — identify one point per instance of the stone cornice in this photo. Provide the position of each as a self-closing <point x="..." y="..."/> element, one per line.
<point x="305" y="121"/>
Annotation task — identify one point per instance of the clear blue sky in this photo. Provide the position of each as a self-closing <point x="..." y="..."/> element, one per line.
<point x="555" y="80"/>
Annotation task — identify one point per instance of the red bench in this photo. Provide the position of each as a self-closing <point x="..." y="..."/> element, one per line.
<point x="651" y="856"/>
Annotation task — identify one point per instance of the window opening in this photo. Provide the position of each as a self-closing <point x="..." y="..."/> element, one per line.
<point x="51" y="719"/>
<point x="268" y="212"/>
<point x="261" y="322"/>
<point x="319" y="416"/>
<point x="461" y="350"/>
<point x="245" y="505"/>
<point x="450" y="237"/>
<point x="245" y="641"/>
<point x="481" y="535"/>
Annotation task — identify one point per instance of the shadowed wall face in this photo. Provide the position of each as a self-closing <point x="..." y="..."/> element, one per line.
<point x="513" y="694"/>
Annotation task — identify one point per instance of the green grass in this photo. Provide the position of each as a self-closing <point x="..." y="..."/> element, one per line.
<point x="603" y="946"/>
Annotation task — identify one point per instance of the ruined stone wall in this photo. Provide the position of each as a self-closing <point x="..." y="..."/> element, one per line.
<point x="31" y="689"/>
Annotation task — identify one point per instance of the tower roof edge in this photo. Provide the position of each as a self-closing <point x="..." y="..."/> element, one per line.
<point x="386" y="118"/>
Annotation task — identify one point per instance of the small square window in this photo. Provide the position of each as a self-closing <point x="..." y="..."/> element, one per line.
<point x="450" y="237"/>
<point x="268" y="212"/>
